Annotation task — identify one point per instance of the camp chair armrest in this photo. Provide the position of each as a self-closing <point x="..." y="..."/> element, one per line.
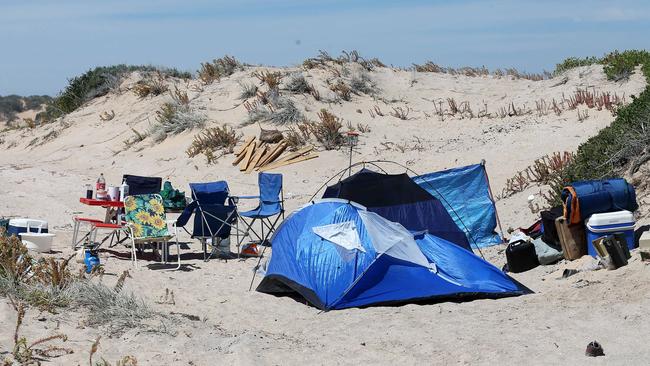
<point x="247" y="197"/>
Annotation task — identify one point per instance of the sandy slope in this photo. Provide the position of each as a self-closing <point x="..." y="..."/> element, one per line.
<point x="239" y="327"/>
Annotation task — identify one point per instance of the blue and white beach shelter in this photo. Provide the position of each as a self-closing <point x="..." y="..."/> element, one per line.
<point x="336" y="254"/>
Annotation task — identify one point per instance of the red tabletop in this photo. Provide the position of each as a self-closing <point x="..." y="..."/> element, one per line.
<point x="103" y="203"/>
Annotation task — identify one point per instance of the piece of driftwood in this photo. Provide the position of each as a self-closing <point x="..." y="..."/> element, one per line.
<point x="249" y="154"/>
<point x="243" y="147"/>
<point x="270" y="136"/>
<point x="279" y="164"/>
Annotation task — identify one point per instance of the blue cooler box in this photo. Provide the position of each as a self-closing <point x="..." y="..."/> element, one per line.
<point x="603" y="224"/>
<point x="19" y="226"/>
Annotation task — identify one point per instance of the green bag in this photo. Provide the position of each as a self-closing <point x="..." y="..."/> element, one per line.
<point x="172" y="198"/>
<point x="4" y="226"/>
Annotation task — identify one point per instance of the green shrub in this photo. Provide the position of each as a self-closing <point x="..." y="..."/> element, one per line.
<point x="174" y="118"/>
<point x="97" y="82"/>
<point x="11" y="105"/>
<point x="620" y="146"/>
<point x="573" y="62"/>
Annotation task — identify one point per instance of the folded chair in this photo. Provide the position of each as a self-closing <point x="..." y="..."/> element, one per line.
<point x="146" y="224"/>
<point x="215" y="213"/>
<point x="142" y="185"/>
<point x="270" y="205"/>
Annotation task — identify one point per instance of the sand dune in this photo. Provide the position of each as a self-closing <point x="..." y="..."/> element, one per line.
<point x="43" y="172"/>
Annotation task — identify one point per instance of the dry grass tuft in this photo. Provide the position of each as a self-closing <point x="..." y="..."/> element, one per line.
<point x="27" y="353"/>
<point x="180" y="97"/>
<point x="150" y="85"/>
<point x="327" y="131"/>
<point x="125" y="361"/>
<point x="428" y="66"/>
<point x="324" y="60"/>
<point x="218" y="68"/>
<point x="247" y="90"/>
<point x="401" y="113"/>
<point x="214" y="139"/>
<point x="136" y="138"/>
<point x="107" y="116"/>
<point x="174" y="118"/>
<point x="298" y="84"/>
<point x="543" y="171"/>
<point x="272" y="79"/>
<point x="342" y="90"/>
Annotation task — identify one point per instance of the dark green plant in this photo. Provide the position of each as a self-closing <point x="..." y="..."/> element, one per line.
<point x="621" y="146"/>
<point x="573" y="62"/>
<point x="95" y="83"/>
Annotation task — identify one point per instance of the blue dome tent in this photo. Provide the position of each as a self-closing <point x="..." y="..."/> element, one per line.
<point x="337" y="254"/>
<point x="398" y="198"/>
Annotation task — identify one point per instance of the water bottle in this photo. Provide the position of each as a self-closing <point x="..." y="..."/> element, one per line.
<point x="124" y="190"/>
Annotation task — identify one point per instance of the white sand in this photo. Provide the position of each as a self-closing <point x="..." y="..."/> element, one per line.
<point x="551" y="326"/>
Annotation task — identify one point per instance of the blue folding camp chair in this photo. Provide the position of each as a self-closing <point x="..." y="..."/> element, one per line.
<point x="215" y="213"/>
<point x="271" y="204"/>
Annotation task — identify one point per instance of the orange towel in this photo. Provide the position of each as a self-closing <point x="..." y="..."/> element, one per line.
<point x="575" y="207"/>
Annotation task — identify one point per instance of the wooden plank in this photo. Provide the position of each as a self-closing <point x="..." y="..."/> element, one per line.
<point x="243" y="147"/>
<point x="296" y="154"/>
<point x="256" y="158"/>
<point x="270" y="148"/>
<point x="247" y="158"/>
<point x="279" y="164"/>
<point x="239" y="158"/>
<point x="278" y="150"/>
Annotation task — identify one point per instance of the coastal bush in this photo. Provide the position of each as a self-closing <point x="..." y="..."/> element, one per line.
<point x="218" y="68"/>
<point x="284" y="112"/>
<point x="11" y="105"/>
<point x="173" y="118"/>
<point x="248" y="90"/>
<point x="327" y="130"/>
<point x="298" y="84"/>
<point x="97" y="82"/>
<point x="274" y="109"/>
<point x="342" y="90"/>
<point x="272" y="79"/>
<point x="324" y="59"/>
<point x="150" y="85"/>
<point x="621" y="146"/>
<point x="362" y="83"/>
<point x="222" y="138"/>
<point x="573" y="62"/>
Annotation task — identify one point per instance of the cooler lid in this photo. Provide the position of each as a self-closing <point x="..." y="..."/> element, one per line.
<point x="610" y="218"/>
<point x="32" y="223"/>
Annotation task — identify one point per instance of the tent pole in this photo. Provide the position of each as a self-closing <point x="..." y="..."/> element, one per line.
<point x="496" y="212"/>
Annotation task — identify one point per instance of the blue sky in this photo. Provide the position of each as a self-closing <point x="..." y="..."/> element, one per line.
<point x="46" y="42"/>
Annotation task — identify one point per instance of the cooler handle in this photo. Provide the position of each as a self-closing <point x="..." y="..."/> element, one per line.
<point x="611" y="229"/>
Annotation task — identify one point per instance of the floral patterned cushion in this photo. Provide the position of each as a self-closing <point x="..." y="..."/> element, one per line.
<point x="146" y="215"/>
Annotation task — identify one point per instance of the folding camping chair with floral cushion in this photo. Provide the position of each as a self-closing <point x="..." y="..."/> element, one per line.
<point x="146" y="224"/>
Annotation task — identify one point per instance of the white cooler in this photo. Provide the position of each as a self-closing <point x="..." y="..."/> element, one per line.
<point x="609" y="223"/>
<point x="22" y="225"/>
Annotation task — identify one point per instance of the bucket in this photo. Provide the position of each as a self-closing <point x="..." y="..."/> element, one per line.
<point x="38" y="242"/>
